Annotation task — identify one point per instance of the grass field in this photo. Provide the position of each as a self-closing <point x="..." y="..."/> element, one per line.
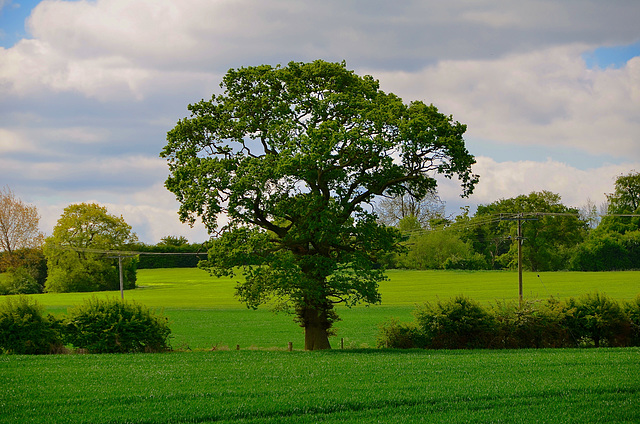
<point x="550" y="386"/>
<point x="204" y="312"/>
<point x="267" y="384"/>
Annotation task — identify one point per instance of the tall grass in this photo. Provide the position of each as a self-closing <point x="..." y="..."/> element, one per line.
<point x="551" y="386"/>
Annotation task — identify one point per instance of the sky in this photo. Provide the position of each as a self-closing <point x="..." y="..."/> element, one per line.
<point x="549" y="90"/>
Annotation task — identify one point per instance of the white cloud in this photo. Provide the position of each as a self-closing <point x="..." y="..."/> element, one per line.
<point x="152" y="212"/>
<point x="501" y="180"/>
<point x="545" y="98"/>
<point x="88" y="99"/>
<point x="12" y="141"/>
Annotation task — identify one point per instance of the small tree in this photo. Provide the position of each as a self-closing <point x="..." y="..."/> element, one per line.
<point x="75" y="251"/>
<point x="294" y="156"/>
<point x="18" y="227"/>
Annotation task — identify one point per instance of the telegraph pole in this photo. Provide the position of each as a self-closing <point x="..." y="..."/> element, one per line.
<point x="519" y="239"/>
<point x="121" y="277"/>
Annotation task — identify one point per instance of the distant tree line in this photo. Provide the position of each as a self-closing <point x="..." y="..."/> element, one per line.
<point x="82" y="253"/>
<point x="170" y="252"/>
<point x="554" y="236"/>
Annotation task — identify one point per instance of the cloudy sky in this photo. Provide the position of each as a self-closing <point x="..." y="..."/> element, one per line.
<point x="550" y="90"/>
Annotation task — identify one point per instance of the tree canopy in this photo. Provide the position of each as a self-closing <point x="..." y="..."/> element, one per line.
<point x="293" y="157"/>
<point x="18" y="223"/>
<point x="75" y="251"/>
<point x="550" y="230"/>
<point x="624" y="203"/>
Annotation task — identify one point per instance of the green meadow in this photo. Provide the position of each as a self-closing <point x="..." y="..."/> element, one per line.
<point x="206" y="380"/>
<point x="204" y="313"/>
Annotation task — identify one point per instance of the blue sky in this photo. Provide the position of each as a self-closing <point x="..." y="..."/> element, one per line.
<point x="550" y="91"/>
<point x="12" y="20"/>
<point x="611" y="56"/>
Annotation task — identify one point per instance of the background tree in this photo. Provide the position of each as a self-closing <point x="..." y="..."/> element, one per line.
<point x="615" y="243"/>
<point x="625" y="200"/>
<point x="391" y="210"/>
<point x="183" y="254"/>
<point x="21" y="256"/>
<point x="294" y="156"/>
<point x="555" y="229"/>
<point x="74" y="251"/>
<point x="439" y="249"/>
<point x="18" y="226"/>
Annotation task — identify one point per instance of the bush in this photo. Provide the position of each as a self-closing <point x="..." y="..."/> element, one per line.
<point x="393" y="334"/>
<point x="24" y="329"/>
<point x="115" y="326"/>
<point x="19" y="281"/>
<point x="458" y="323"/>
<point x="632" y="309"/>
<point x="534" y="324"/>
<point x="598" y="318"/>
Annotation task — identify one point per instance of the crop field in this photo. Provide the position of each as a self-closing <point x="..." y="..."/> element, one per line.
<point x="264" y="383"/>
<point x="351" y="386"/>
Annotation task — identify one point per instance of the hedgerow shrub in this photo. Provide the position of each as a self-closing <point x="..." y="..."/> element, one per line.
<point x="25" y="330"/>
<point x="19" y="281"/>
<point x="115" y="326"/>
<point x="397" y="335"/>
<point x="632" y="309"/>
<point x="532" y="324"/>
<point x="598" y="318"/>
<point x="458" y="323"/>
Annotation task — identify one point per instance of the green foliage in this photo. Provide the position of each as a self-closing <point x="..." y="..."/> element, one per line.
<point x="182" y="257"/>
<point x="458" y="323"/>
<point x="600" y="252"/>
<point x="73" y="251"/>
<point x="19" y="281"/>
<point x="115" y="326"/>
<point x="439" y="249"/>
<point x="632" y="309"/>
<point x="532" y="324"/>
<point x="291" y="155"/>
<point x="25" y="330"/>
<point x="32" y="261"/>
<point x="549" y="232"/>
<point x="598" y="318"/>
<point x="397" y="335"/>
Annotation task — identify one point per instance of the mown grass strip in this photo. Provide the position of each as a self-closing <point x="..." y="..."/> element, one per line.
<point x="553" y="386"/>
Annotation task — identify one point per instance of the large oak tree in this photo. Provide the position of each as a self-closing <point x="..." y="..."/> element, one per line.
<point x="293" y="158"/>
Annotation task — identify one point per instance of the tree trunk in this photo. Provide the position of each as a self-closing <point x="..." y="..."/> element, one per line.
<point x="316" y="326"/>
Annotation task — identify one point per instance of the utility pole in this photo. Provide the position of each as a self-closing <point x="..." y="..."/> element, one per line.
<point x="519" y="239"/>
<point x="121" y="277"/>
